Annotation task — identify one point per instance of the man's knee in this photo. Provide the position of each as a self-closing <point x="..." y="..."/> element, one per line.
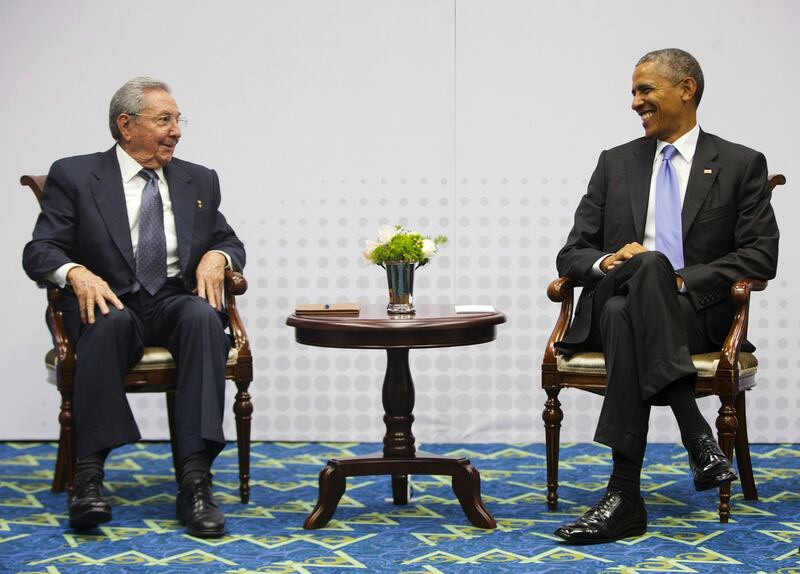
<point x="654" y="261"/>
<point x="199" y="314"/>
<point x="116" y="322"/>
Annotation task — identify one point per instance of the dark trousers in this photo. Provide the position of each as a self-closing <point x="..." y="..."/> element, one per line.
<point x="647" y="331"/>
<point x="192" y="330"/>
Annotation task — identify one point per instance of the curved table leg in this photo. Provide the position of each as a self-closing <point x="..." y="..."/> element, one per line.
<point x="467" y="487"/>
<point x="331" y="489"/>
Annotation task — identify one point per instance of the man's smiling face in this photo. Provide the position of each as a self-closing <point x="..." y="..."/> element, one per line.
<point x="667" y="108"/>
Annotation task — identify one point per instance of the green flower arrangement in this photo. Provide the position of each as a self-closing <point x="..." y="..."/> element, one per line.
<point x="400" y="244"/>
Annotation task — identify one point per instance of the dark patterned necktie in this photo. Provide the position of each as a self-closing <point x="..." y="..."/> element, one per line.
<point x="151" y="253"/>
<point x="669" y="230"/>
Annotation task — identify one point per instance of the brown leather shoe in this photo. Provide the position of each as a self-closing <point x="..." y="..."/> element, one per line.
<point x="195" y="507"/>
<point x="87" y="506"/>
<point x="710" y="468"/>
<point x="612" y="518"/>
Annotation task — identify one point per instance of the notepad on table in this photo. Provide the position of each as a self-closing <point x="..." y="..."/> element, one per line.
<point x="474" y="309"/>
<point x="326" y="309"/>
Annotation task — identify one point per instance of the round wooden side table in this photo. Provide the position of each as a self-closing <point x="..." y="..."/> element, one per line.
<point x="431" y="326"/>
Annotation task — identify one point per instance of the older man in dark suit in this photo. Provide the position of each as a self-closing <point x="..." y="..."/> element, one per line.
<point x="668" y="223"/>
<point x="138" y="240"/>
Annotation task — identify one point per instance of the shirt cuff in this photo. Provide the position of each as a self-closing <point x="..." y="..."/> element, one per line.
<point x="596" y="272"/>
<point x="229" y="265"/>
<point x="59" y="276"/>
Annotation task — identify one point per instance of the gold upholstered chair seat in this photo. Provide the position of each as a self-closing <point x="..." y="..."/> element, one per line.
<point x="153" y="359"/>
<point x="705" y="363"/>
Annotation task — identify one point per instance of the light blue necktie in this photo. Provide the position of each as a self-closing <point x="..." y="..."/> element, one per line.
<point x="151" y="252"/>
<point x="669" y="231"/>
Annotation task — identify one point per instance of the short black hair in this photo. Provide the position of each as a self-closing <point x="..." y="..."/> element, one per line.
<point x="677" y="64"/>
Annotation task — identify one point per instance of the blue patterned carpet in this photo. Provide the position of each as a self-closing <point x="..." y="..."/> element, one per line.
<point x="369" y="534"/>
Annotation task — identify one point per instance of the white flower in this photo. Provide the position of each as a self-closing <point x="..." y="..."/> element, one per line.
<point x="386" y="232"/>
<point x="428" y="248"/>
<point x="368" y="249"/>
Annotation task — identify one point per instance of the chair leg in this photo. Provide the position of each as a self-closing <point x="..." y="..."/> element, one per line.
<point x="176" y="463"/>
<point x="64" y="474"/>
<point x="59" y="479"/>
<point x="243" y="411"/>
<point x="726" y="431"/>
<point x="552" y="416"/>
<point x="742" y="446"/>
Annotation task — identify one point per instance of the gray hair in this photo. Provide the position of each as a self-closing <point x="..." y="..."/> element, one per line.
<point x="676" y="65"/>
<point x="129" y="99"/>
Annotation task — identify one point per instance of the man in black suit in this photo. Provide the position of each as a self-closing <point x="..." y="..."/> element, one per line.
<point x="137" y="239"/>
<point x="669" y="222"/>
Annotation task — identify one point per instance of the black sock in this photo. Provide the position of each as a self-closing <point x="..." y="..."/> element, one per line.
<point x="195" y="466"/>
<point x="626" y="475"/>
<point x="680" y="397"/>
<point x="91" y="466"/>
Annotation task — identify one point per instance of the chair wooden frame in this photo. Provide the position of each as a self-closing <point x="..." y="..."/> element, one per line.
<point x="148" y="380"/>
<point x="729" y="382"/>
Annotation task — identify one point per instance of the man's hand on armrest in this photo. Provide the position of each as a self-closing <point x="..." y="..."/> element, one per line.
<point x="210" y="276"/>
<point x="91" y="290"/>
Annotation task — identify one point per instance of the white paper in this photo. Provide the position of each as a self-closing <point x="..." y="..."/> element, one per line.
<point x="474" y="309"/>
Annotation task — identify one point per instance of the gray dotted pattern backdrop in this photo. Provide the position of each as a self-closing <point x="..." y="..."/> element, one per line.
<point x="326" y="119"/>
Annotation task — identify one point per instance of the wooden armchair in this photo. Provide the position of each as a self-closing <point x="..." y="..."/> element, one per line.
<point x="154" y="373"/>
<point x="727" y="374"/>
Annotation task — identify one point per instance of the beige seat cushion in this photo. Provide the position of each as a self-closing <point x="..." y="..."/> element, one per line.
<point x="706" y="364"/>
<point x="154" y="358"/>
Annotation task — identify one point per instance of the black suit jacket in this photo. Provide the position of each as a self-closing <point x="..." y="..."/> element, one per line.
<point x="84" y="219"/>
<point x="729" y="228"/>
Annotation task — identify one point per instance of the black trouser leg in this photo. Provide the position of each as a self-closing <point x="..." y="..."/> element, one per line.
<point x="647" y="331"/>
<point x="624" y="418"/>
<point x="194" y="332"/>
<point x="106" y="350"/>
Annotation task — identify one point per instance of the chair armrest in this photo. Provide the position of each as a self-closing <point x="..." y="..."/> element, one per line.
<point x="65" y="350"/>
<point x="559" y="291"/>
<point x="740" y="295"/>
<point x="236" y="284"/>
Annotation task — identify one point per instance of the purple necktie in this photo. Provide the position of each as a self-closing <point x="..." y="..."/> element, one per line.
<point x="151" y="253"/>
<point x="669" y="234"/>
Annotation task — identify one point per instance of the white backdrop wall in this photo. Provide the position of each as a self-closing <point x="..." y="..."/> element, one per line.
<point x="479" y="119"/>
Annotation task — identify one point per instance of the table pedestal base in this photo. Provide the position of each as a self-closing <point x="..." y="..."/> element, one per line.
<point x="466" y="483"/>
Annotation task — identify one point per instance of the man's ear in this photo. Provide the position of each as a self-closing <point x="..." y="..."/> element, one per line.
<point x="688" y="89"/>
<point x="124" y="126"/>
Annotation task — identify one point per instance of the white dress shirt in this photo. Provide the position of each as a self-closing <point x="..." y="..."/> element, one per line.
<point x="682" y="164"/>
<point x="133" y="185"/>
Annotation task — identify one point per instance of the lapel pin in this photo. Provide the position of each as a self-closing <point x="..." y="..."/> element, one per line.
<point x="199" y="204"/>
<point x="704" y="171"/>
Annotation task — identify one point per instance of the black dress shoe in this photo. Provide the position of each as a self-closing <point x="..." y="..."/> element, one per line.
<point x="195" y="507"/>
<point x="612" y="518"/>
<point x="87" y="507"/>
<point x="710" y="467"/>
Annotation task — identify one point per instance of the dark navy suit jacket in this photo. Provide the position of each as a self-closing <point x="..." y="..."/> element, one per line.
<point x="84" y="220"/>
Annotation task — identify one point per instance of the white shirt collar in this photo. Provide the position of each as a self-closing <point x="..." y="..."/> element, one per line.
<point x="130" y="168"/>
<point x="686" y="144"/>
